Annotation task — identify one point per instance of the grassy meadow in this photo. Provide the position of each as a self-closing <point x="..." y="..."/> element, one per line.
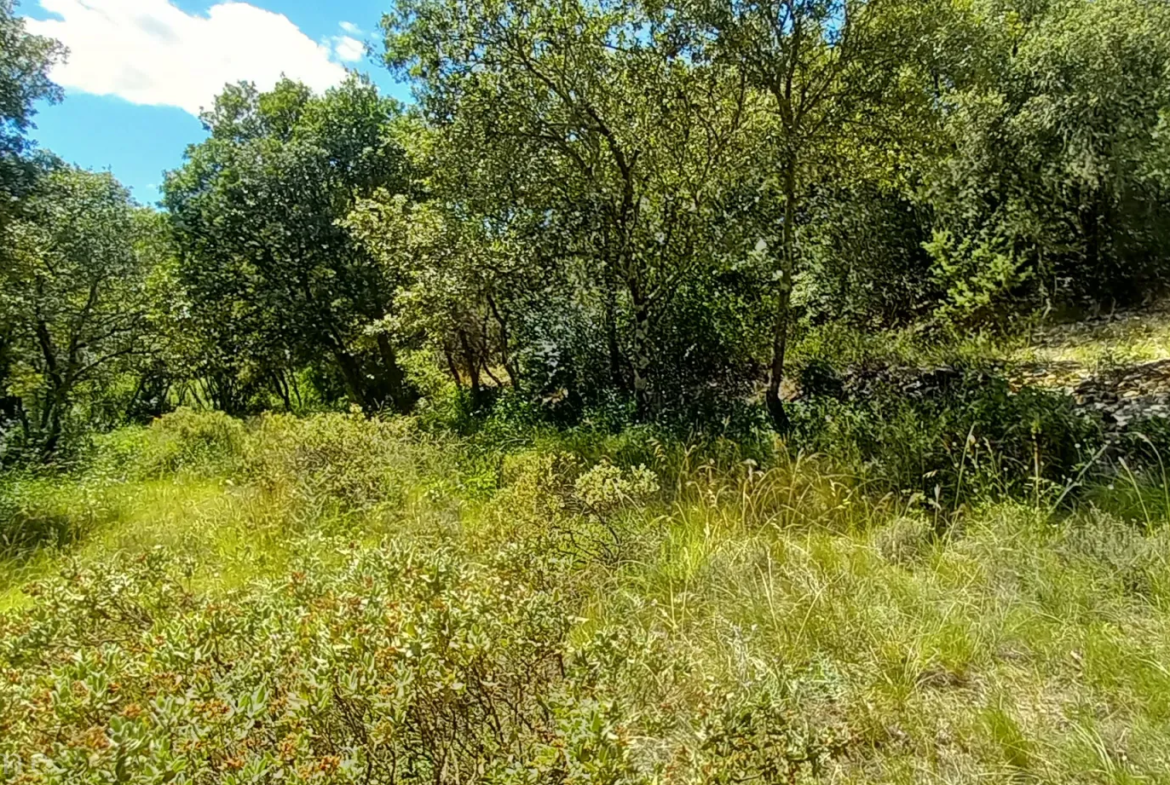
<point x="333" y="598"/>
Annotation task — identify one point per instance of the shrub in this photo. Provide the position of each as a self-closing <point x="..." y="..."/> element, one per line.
<point x="1136" y="560"/>
<point x="391" y="666"/>
<point x="1146" y="445"/>
<point x="966" y="435"/>
<point x="343" y="459"/>
<point x="693" y="722"/>
<point x="759" y="735"/>
<point x="606" y="488"/>
<point x="819" y="379"/>
<point x="200" y="442"/>
<point x="42" y="511"/>
<point x="904" y="540"/>
<point x="574" y="510"/>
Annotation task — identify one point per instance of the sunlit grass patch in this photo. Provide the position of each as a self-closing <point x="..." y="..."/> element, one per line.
<point x="719" y="615"/>
<point x="979" y="652"/>
<point x="1128" y="339"/>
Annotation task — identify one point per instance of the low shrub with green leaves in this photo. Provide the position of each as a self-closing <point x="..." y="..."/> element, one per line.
<point x="185" y="440"/>
<point x="577" y="510"/>
<point x="379" y="665"/>
<point x="975" y="437"/>
<point x="345" y="459"/>
<point x="387" y="666"/>
<point x="39" y="511"/>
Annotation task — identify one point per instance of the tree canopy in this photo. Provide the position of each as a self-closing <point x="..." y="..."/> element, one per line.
<point x="274" y="278"/>
<point x="597" y="209"/>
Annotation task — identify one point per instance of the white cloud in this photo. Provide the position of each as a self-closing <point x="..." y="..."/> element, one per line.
<point x="348" y="50"/>
<point x="350" y="28"/>
<point x="150" y="52"/>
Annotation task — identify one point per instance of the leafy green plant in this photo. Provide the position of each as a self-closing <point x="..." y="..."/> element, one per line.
<point x="345" y="459"/>
<point x="972" y="437"/>
<point x="404" y="667"/>
<point x="818" y="378"/>
<point x="43" y="511"/>
<point x="576" y="510"/>
<point x="1135" y="559"/>
<point x="200" y="442"/>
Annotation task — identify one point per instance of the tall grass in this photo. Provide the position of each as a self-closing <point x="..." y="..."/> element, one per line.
<point x="335" y="599"/>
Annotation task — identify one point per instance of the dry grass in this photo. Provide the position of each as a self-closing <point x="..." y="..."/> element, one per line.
<point x="1013" y="647"/>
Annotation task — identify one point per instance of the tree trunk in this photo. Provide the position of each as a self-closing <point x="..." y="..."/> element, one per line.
<point x="616" y="360"/>
<point x="780" y="331"/>
<point x="505" y="353"/>
<point x="641" y="355"/>
<point x="451" y="367"/>
<point x="471" y="362"/>
<point x="395" y="382"/>
<point x="128" y="413"/>
<point x="296" y="388"/>
<point x="488" y="370"/>
<point x="25" y="426"/>
<point x="281" y="386"/>
<point x="351" y="374"/>
<point x="52" y="424"/>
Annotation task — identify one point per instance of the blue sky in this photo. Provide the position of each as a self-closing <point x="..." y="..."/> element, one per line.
<point x="139" y="70"/>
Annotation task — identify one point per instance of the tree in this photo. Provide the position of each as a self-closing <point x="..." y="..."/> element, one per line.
<point x="25" y="61"/>
<point x="863" y="260"/>
<point x="831" y="71"/>
<point x="74" y="295"/>
<point x="448" y="275"/>
<point x="589" y="131"/>
<point x="1053" y="184"/>
<point x="272" y="276"/>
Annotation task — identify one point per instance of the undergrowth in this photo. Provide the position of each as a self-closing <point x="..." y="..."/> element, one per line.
<point x="348" y="600"/>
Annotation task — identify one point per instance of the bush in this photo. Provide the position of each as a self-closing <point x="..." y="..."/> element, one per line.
<point x="204" y="443"/>
<point x="392" y="666"/>
<point x="819" y="379"/>
<point x="343" y="459"/>
<point x="695" y="724"/>
<point x="42" y="511"/>
<point x="1135" y="560"/>
<point x="866" y="264"/>
<point x="569" y="508"/>
<point x="904" y="541"/>
<point x="964" y="435"/>
<point x="1146" y="445"/>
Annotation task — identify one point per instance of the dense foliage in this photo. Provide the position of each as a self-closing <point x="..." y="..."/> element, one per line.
<point x="343" y="599"/>
<point x="600" y="211"/>
<point x="436" y="443"/>
<point x="275" y="284"/>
